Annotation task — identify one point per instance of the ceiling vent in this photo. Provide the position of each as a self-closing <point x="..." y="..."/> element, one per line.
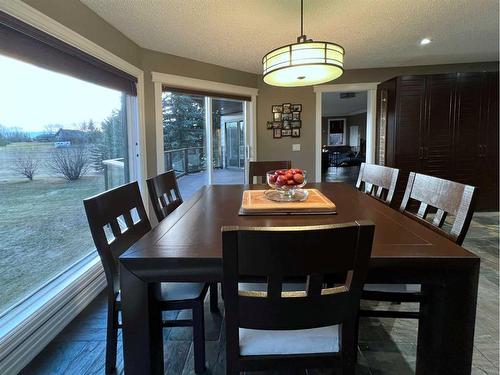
<point x="347" y="95"/>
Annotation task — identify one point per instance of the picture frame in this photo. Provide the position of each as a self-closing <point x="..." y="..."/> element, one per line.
<point x="287" y="124"/>
<point x="295" y="115"/>
<point x="277" y="124"/>
<point x="286" y="132"/>
<point x="296" y="107"/>
<point x="296" y="132"/>
<point x="269" y="125"/>
<point x="277" y="108"/>
<point x="286" y="116"/>
<point x="297" y="124"/>
<point x="277" y="133"/>
<point x="287" y="107"/>
<point x="277" y="116"/>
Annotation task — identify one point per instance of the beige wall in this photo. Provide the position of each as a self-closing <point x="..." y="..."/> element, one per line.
<point x="81" y="19"/>
<point x="353" y="120"/>
<point x="76" y="16"/>
<point x="281" y="149"/>
<point x="160" y="62"/>
<point x="268" y="95"/>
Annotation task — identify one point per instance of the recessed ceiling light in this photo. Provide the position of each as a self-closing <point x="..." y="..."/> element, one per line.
<point x="425" y="41"/>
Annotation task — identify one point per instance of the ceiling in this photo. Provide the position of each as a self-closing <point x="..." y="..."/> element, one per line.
<point x="381" y="33"/>
<point x="333" y="105"/>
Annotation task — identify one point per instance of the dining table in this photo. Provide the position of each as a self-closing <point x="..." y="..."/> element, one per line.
<point x="186" y="247"/>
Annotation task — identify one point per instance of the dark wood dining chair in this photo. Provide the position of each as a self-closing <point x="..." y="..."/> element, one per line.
<point x="443" y="198"/>
<point x="446" y="198"/>
<point x="117" y="219"/>
<point x="166" y="197"/>
<point x="164" y="193"/>
<point x="309" y="328"/>
<point x="259" y="168"/>
<point x="378" y="181"/>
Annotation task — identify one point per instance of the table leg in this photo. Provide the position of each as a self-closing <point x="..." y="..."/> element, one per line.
<point x="142" y="325"/>
<point x="446" y="326"/>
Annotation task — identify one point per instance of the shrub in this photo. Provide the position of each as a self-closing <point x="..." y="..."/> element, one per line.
<point x="72" y="163"/>
<point x="26" y="165"/>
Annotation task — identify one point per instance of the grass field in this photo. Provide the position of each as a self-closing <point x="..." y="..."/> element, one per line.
<point x="43" y="228"/>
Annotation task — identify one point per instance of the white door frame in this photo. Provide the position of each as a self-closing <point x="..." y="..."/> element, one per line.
<point x="225" y="119"/>
<point x="183" y="82"/>
<point x="371" y="110"/>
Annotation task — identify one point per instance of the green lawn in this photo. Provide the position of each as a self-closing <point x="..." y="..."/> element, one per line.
<point x="43" y="228"/>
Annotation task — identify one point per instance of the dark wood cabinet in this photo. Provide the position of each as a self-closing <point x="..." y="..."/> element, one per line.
<point x="443" y="125"/>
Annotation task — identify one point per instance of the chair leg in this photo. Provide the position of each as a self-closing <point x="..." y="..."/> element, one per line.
<point x="111" y="337"/>
<point x="349" y="344"/>
<point x="214" y="298"/>
<point x="199" y="338"/>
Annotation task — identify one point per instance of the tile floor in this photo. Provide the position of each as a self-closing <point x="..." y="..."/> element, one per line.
<point x="387" y="346"/>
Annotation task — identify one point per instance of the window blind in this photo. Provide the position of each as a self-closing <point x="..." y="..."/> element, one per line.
<point x="212" y="94"/>
<point x="29" y="44"/>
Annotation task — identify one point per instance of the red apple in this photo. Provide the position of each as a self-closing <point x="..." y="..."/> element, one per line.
<point x="289" y="175"/>
<point x="290" y="182"/>
<point x="297" y="171"/>
<point x="272" y="178"/>
<point x="280" y="172"/>
<point x="281" y="180"/>
<point x="298" y="178"/>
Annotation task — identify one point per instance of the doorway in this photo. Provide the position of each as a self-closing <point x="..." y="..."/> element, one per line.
<point x="345" y="130"/>
<point x="219" y="103"/>
<point x="203" y="140"/>
<point x="343" y="134"/>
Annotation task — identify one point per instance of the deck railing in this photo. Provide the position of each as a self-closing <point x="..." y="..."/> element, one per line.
<point x="185" y="160"/>
<point x="114" y="172"/>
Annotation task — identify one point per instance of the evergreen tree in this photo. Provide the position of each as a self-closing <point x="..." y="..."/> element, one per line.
<point x="110" y="142"/>
<point x="183" y="121"/>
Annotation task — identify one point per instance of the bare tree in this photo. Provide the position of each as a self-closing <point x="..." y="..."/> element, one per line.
<point x="72" y="163"/>
<point x="26" y="165"/>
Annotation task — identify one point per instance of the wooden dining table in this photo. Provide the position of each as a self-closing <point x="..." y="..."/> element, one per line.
<point x="186" y="247"/>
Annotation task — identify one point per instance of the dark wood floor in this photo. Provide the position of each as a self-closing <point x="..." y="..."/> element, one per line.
<point x="387" y="346"/>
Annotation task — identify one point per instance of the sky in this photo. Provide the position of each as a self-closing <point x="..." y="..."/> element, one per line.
<point x="32" y="97"/>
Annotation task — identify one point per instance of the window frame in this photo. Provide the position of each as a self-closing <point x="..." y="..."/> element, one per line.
<point x="54" y="305"/>
<point x="188" y="83"/>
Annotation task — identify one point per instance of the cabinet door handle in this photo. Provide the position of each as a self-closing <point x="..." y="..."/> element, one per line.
<point x="485" y="150"/>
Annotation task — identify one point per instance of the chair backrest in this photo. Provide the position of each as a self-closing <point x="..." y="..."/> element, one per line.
<point x="117" y="219"/>
<point x="259" y="168"/>
<point x="280" y="253"/>
<point x="164" y="193"/>
<point x="378" y="181"/>
<point x="447" y="197"/>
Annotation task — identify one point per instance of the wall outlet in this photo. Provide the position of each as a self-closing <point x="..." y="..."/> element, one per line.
<point x="296" y="147"/>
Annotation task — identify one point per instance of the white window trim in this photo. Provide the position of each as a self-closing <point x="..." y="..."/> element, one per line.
<point x="345" y="130"/>
<point x="250" y="108"/>
<point x="371" y="110"/>
<point x="70" y="293"/>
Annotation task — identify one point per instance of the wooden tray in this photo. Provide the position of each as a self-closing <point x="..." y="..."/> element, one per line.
<point x="254" y="202"/>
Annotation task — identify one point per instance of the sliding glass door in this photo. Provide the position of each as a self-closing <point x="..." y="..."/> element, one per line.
<point x="228" y="141"/>
<point x="185" y="139"/>
<point x="203" y="140"/>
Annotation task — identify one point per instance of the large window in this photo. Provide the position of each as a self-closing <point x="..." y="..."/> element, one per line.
<point x="61" y="140"/>
<point x="192" y="126"/>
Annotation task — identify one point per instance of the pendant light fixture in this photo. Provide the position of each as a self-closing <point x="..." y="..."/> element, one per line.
<point x="304" y="63"/>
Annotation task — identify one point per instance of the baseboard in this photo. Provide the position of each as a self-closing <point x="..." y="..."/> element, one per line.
<point x="29" y="337"/>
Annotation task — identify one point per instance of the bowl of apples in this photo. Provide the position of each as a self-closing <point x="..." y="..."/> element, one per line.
<point x="287" y="185"/>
